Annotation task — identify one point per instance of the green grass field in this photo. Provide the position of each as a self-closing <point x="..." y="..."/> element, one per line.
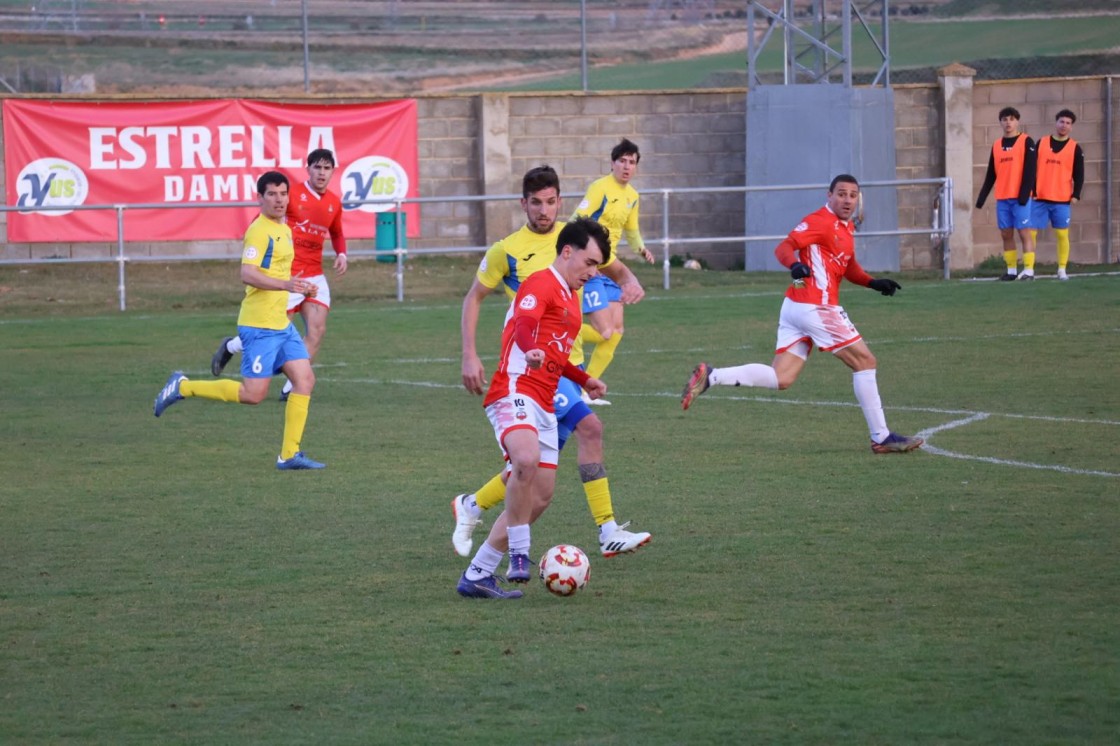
<point x="912" y="44"/>
<point x="163" y="583"/>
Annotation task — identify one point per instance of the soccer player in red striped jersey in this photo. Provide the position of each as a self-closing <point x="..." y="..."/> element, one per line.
<point x="314" y="214"/>
<point x="820" y="252"/>
<point x="537" y="340"/>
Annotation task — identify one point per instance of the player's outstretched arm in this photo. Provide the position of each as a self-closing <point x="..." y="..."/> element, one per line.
<point x="885" y="286"/>
<point x="474" y="375"/>
<point x="632" y="290"/>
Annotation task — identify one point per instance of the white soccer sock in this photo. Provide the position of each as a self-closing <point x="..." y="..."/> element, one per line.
<point x="751" y="374"/>
<point x="867" y="394"/>
<point x="519" y="539"/>
<point x="234" y="346"/>
<point x="607" y="529"/>
<point x="470" y="504"/>
<point x="485" y="562"/>
<point x="287" y="387"/>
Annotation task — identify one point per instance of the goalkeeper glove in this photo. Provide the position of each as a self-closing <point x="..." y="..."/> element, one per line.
<point x="799" y="271"/>
<point x="886" y="287"/>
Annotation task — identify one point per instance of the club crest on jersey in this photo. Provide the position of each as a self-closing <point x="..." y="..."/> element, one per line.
<point x="801" y="227"/>
<point x="559" y="341"/>
<point x="250" y="252"/>
<point x="528" y="303"/>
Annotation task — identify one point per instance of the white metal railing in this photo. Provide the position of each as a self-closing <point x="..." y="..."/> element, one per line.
<point x="941" y="227"/>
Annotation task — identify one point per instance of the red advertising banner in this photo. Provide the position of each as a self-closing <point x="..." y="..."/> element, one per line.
<point x="61" y="154"/>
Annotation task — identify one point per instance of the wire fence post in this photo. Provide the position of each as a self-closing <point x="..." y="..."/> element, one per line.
<point x="121" y="259"/>
<point x="399" y="250"/>
<point x="665" y="238"/>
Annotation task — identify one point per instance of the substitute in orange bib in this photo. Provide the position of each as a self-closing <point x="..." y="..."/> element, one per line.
<point x="1011" y="170"/>
<point x="820" y="252"/>
<point x="1058" y="182"/>
<point x="314" y="213"/>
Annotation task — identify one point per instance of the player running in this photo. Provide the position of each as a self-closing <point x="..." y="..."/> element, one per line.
<point x="270" y="340"/>
<point x="613" y="202"/>
<point x="507" y="264"/>
<point x="537" y="340"/>
<point x="819" y="252"/>
<point x="314" y="212"/>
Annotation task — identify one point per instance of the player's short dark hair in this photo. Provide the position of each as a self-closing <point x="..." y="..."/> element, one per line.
<point x="1009" y="111"/>
<point x="541" y="177"/>
<point x="626" y="147"/>
<point x="842" y="179"/>
<point x="270" y="178"/>
<point x="1066" y="113"/>
<point x="320" y="154"/>
<point x="581" y="230"/>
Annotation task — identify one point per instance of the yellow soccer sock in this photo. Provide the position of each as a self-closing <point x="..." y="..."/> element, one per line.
<point x="599" y="500"/>
<point x="491" y="493"/>
<point x="1062" y="234"/>
<point x="1028" y="261"/>
<point x="1011" y="258"/>
<point x="225" y="389"/>
<point x="590" y="334"/>
<point x="602" y="355"/>
<point x="295" y="418"/>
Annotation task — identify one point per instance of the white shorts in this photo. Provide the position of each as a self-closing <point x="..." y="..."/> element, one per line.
<point x="801" y="325"/>
<point x="521" y="412"/>
<point x="323" y="297"/>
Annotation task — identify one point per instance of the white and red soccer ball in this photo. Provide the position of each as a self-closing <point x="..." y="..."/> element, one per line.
<point x="564" y="569"/>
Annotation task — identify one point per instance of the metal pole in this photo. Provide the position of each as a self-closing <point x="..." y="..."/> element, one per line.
<point x="1107" y="248"/>
<point x="583" y="43"/>
<point x="886" y="44"/>
<point x="306" y="51"/>
<point x="400" y="254"/>
<point x="120" y="255"/>
<point x="665" y="237"/>
<point x="847" y="34"/>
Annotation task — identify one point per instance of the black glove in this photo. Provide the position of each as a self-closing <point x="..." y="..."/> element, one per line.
<point x="799" y="271"/>
<point x="886" y="287"/>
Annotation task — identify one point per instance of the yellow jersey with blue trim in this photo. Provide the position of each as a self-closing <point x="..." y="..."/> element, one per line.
<point x="268" y="246"/>
<point x="510" y="261"/>
<point x="614" y="205"/>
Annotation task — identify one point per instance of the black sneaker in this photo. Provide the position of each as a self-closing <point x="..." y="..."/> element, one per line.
<point x="221" y="358"/>
<point x="1008" y="277"/>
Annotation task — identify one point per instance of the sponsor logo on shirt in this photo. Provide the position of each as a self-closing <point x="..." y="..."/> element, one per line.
<point x="528" y="303"/>
<point x="801" y="227"/>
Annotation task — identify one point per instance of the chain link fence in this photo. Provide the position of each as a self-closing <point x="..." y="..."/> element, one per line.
<point x="392" y="47"/>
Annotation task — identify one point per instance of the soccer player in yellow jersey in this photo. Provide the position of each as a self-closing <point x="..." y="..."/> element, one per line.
<point x="614" y="203"/>
<point x="271" y="342"/>
<point x="507" y="264"/>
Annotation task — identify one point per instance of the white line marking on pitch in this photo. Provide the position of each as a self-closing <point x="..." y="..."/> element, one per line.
<point x="970" y="418"/>
<point x="980" y="417"/>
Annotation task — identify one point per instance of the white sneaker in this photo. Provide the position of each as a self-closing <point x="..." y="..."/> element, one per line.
<point x="464" y="527"/>
<point x="593" y="402"/>
<point x="1062" y="275"/>
<point x="622" y="541"/>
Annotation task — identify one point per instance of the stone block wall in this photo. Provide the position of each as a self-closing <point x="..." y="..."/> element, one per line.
<point x="482" y="144"/>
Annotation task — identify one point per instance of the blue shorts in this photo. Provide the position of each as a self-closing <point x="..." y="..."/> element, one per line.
<point x="1047" y="214"/>
<point x="599" y="292"/>
<point x="266" y="350"/>
<point x="570" y="409"/>
<point x="1010" y="214"/>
